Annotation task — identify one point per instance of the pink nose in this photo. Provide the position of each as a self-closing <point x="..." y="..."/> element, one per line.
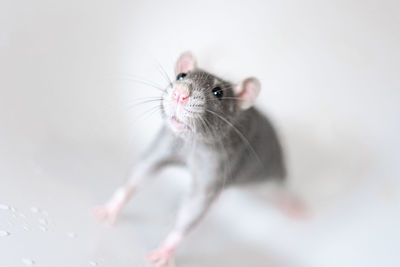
<point x="180" y="95"/>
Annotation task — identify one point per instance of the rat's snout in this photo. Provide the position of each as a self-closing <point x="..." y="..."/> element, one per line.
<point x="180" y="94"/>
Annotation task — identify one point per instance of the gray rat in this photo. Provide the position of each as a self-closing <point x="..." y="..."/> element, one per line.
<point x="213" y="129"/>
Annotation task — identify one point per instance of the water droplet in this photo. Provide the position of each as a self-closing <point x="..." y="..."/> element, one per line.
<point x="4" y="233"/>
<point x="43" y="229"/>
<point x="45" y="213"/>
<point x="35" y="210"/>
<point x="93" y="263"/>
<point x="71" y="235"/>
<point x="26" y="228"/>
<point x="43" y="221"/>
<point x="28" y="262"/>
<point x="4" y="207"/>
<point x="22" y="216"/>
<point x="13" y="209"/>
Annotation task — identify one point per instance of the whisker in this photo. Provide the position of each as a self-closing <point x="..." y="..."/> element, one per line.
<point x="145" y="82"/>
<point x="238" y="132"/>
<point x="228" y="169"/>
<point x="227" y="98"/>
<point x="151" y="110"/>
<point x="163" y="72"/>
<point x="136" y="104"/>
<point x="195" y="114"/>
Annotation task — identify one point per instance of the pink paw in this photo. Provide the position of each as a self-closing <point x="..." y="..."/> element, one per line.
<point x="162" y="257"/>
<point x="106" y="214"/>
<point x="293" y="208"/>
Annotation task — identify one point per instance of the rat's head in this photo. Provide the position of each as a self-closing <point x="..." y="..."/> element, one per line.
<point x="203" y="105"/>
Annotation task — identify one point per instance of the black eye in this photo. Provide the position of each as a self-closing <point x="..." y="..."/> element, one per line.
<point x="218" y="92"/>
<point x="180" y="76"/>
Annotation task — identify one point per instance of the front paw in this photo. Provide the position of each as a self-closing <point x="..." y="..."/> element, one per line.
<point x="106" y="214"/>
<point x="162" y="257"/>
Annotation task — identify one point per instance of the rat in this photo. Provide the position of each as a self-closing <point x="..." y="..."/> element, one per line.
<point x="212" y="127"/>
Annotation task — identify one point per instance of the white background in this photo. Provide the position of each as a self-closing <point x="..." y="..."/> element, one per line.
<point x="330" y="76"/>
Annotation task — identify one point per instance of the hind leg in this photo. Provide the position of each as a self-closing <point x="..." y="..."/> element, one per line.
<point x="282" y="197"/>
<point x="290" y="204"/>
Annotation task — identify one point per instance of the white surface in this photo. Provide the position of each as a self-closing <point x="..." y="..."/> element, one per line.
<point x="330" y="79"/>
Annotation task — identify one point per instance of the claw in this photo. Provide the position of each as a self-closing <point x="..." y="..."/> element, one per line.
<point x="106" y="213"/>
<point x="162" y="257"/>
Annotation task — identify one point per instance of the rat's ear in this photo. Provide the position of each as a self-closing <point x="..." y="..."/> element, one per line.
<point x="186" y="62"/>
<point x="247" y="91"/>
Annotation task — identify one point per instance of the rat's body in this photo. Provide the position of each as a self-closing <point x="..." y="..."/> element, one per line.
<point x="211" y="128"/>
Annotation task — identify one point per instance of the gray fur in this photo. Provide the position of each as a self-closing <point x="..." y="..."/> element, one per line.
<point x="243" y="143"/>
<point x="222" y="145"/>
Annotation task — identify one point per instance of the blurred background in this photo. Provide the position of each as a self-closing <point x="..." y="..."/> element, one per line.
<point x="69" y="129"/>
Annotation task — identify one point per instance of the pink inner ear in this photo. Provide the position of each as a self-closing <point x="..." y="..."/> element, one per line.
<point x="247" y="92"/>
<point x="185" y="63"/>
<point x="237" y="89"/>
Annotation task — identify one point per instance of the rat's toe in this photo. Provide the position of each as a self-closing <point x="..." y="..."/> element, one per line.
<point x="293" y="208"/>
<point x="161" y="258"/>
<point x="100" y="213"/>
